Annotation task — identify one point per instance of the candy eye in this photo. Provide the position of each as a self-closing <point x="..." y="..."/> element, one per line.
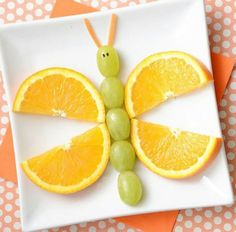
<point x="104" y="55"/>
<point x="107" y="54"/>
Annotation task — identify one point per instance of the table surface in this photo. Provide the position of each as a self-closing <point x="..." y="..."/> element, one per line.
<point x="221" y="20"/>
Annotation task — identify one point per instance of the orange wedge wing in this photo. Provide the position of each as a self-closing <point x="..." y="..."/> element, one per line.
<point x="162" y="76"/>
<point x="73" y="166"/>
<point x="171" y="152"/>
<point x="60" y="92"/>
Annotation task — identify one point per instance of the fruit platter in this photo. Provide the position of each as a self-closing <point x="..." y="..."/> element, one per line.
<point x="108" y="114"/>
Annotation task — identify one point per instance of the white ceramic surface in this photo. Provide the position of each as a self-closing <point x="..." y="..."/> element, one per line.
<point x="141" y="31"/>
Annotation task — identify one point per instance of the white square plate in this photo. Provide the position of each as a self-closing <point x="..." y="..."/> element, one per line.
<point x="141" y="31"/>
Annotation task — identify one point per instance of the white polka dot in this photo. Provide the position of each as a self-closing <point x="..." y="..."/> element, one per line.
<point x="198" y="219"/>
<point x="222" y="114"/>
<point x="17" y="225"/>
<point x="234" y="39"/>
<point x="38" y="12"/>
<point x="7" y="229"/>
<point x="232" y="97"/>
<point x="189" y="212"/>
<point x="5" y="108"/>
<point x="218" y="3"/>
<point x="130" y="230"/>
<point x="231" y="144"/>
<point x="230" y="155"/>
<point x="2" y="189"/>
<point x="1" y="201"/>
<point x="1" y="213"/>
<point x="217" y="230"/>
<point x="232" y="109"/>
<point x="10" y="17"/>
<point x="208" y="8"/>
<point x="226" y="33"/>
<point x="223" y="126"/>
<point x="48" y="7"/>
<point x="4" y="120"/>
<point x="105" y="0"/>
<point x="178" y="229"/>
<point x="17" y="214"/>
<point x="208" y="213"/>
<point x="83" y="224"/>
<point x="73" y="228"/>
<point x="226" y="44"/>
<point x="217" y="26"/>
<point x="216" y="49"/>
<point x="217" y="220"/>
<point x="232" y="121"/>
<point x="227" y="21"/>
<point x="3" y="131"/>
<point x="216" y="38"/>
<point x="223" y="102"/>
<point x="234" y="49"/>
<point x="19" y="11"/>
<point x="10" y="184"/>
<point x="92" y="229"/>
<point x="180" y="217"/>
<point x="233" y="85"/>
<point x="10" y="5"/>
<point x="227" y="227"/>
<point x="30" y="6"/>
<point x="7" y="219"/>
<point x="121" y="226"/>
<point x="9" y="196"/>
<point x="227" y="9"/>
<point x="197" y="229"/>
<point x="209" y="20"/>
<point x="218" y="209"/>
<point x="101" y="224"/>
<point x="188" y="224"/>
<point x="231" y="132"/>
<point x="8" y="207"/>
<point x="113" y="4"/>
<point x="231" y="167"/>
<point x="29" y="17"/>
<point x="207" y="225"/>
<point x="2" y="10"/>
<point x="39" y="2"/>
<point x="228" y="215"/>
<point x="20" y="1"/>
<point x="111" y="229"/>
<point x="218" y="14"/>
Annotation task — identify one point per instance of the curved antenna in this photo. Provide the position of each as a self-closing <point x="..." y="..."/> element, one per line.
<point x="92" y="33"/>
<point x="112" y="29"/>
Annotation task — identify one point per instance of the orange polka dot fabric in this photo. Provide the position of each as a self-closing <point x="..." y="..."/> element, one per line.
<point x="221" y="20"/>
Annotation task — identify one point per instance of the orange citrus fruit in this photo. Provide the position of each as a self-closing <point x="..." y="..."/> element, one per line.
<point x="171" y="152"/>
<point x="162" y="76"/>
<point x="60" y="92"/>
<point x="73" y="166"/>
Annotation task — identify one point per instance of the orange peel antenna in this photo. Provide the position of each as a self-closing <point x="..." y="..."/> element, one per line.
<point x="92" y="33"/>
<point x="112" y="29"/>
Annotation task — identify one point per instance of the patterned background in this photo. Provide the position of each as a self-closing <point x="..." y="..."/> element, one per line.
<point x="221" y="20"/>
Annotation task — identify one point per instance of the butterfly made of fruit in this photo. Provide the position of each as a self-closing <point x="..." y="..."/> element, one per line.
<point x="166" y="151"/>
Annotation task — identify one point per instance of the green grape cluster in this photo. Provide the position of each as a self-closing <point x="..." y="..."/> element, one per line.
<point x="122" y="154"/>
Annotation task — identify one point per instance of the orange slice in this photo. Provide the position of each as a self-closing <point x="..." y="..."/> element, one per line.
<point x="73" y="166"/>
<point x="171" y="152"/>
<point x="60" y="92"/>
<point x="163" y="76"/>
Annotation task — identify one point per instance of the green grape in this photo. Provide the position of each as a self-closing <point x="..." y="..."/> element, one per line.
<point x="122" y="156"/>
<point x="112" y="92"/>
<point x="108" y="61"/>
<point x="130" y="188"/>
<point x="118" y="124"/>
